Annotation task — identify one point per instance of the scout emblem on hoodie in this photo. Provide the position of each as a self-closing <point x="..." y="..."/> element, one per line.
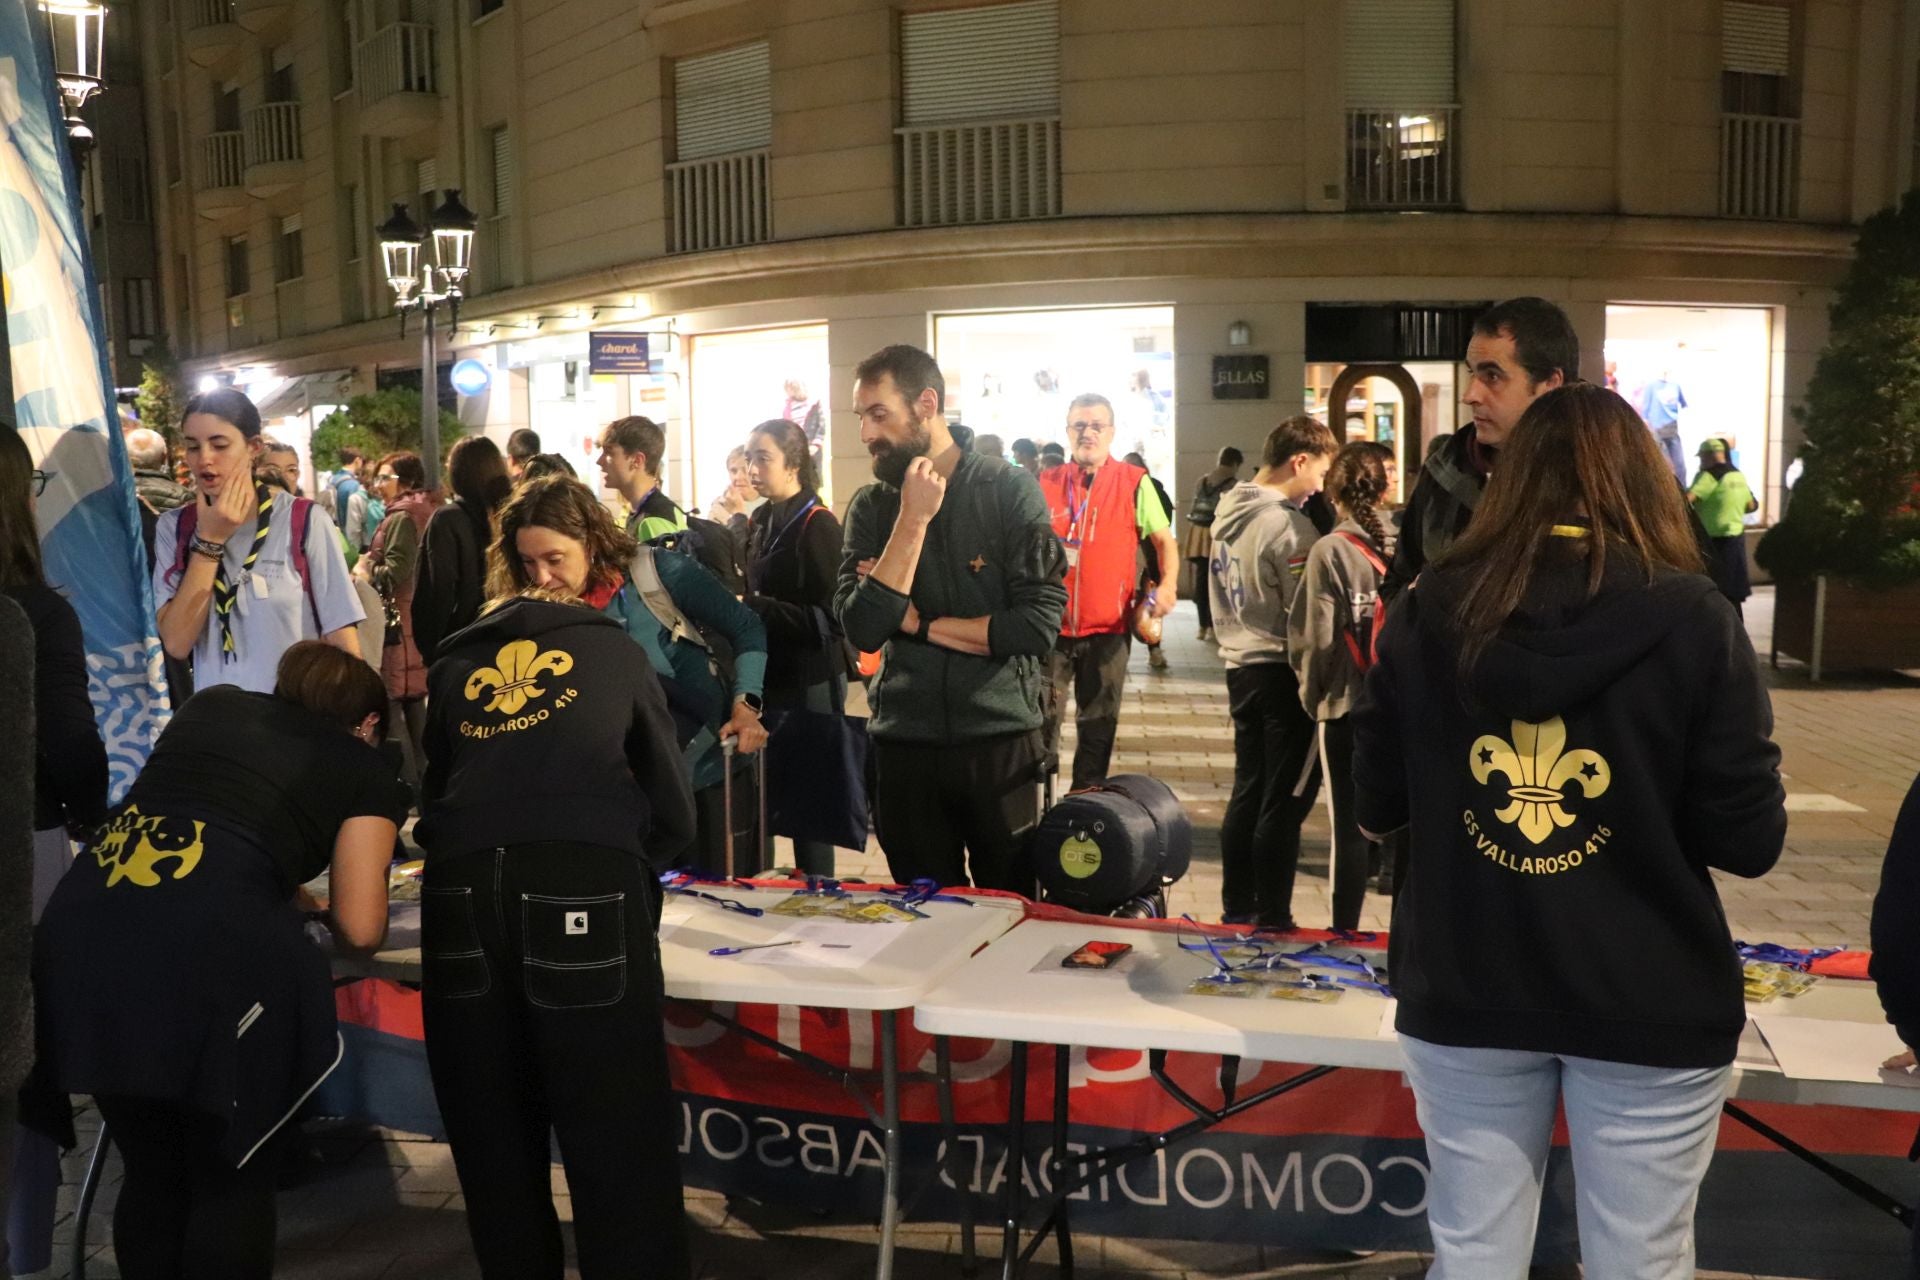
<point x="512" y="682"/>
<point x="1538" y="770"/>
<point x="135" y="844"/>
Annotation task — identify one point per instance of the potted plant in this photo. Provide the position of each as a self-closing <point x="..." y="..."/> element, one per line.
<point x="1846" y="554"/>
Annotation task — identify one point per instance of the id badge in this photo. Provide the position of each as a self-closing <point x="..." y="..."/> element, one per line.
<point x="1073" y="555"/>
<point x="259" y="585"/>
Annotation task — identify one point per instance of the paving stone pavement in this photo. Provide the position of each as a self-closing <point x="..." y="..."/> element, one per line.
<point x="382" y="1205"/>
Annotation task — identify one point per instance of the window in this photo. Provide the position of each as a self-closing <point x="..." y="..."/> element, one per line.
<point x="426" y="180"/>
<point x="979" y="63"/>
<point x="142" y="307"/>
<point x="280" y="83"/>
<point x="226" y="109"/>
<point x="723" y="103"/>
<point x="1397" y="63"/>
<point x="346" y="46"/>
<point x="182" y="305"/>
<point x="176" y="167"/>
<point x="502" y="172"/>
<point x="481" y="8"/>
<point x="136" y="199"/>
<point x="353" y="222"/>
<point x="1756" y="59"/>
<point x="289" y="259"/>
<point x="239" y="284"/>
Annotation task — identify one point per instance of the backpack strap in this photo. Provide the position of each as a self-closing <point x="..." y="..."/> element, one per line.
<point x="297" y="552"/>
<point x="645" y="576"/>
<point x="183" y="527"/>
<point x="1366" y="549"/>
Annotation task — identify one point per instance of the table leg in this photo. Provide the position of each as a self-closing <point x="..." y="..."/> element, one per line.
<point x="89" y="1185"/>
<point x="890" y="1135"/>
<point x="1016" y="1142"/>
<point x="1062" y="1232"/>
<point x="950" y="1132"/>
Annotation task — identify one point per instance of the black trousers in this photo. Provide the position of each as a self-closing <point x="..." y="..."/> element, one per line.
<point x="944" y="811"/>
<point x="1354" y="856"/>
<point x="1276" y="775"/>
<point x="184" y="1213"/>
<point x="1202" y="592"/>
<point x="542" y="1006"/>
<point x="1096" y="666"/>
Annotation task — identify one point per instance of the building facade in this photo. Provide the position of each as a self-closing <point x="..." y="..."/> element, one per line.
<point x="1217" y="213"/>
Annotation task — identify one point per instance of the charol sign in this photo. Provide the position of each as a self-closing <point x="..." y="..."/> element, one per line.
<point x="618" y="353"/>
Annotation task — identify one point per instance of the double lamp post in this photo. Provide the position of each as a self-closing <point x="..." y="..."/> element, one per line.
<point x="425" y="268"/>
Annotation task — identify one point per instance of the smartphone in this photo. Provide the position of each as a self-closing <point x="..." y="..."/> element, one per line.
<point x="1097" y="955"/>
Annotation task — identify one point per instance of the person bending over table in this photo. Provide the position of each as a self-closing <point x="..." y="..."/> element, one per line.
<point x="175" y="981"/>
<point x="1569" y="719"/>
<point x="554" y="791"/>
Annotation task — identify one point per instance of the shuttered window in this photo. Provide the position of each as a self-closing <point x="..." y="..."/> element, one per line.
<point x="502" y="173"/>
<point x="1756" y="38"/>
<point x="980" y="64"/>
<point x="723" y="102"/>
<point x="426" y="177"/>
<point x="1398" y="53"/>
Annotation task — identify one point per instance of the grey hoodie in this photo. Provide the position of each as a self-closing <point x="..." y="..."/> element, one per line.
<point x="1260" y="545"/>
<point x="1336" y="600"/>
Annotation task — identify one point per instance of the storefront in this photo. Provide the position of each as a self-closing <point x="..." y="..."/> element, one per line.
<point x="567" y="406"/>
<point x="1381" y="406"/>
<point x="1013" y="374"/>
<point x="743" y="378"/>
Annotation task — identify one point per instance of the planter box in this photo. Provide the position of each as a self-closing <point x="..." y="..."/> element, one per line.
<point x="1853" y="629"/>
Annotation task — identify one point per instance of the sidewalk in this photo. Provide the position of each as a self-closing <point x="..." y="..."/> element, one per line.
<point x="388" y="1207"/>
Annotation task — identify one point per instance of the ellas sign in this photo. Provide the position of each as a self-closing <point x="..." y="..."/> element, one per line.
<point x="1240" y="378"/>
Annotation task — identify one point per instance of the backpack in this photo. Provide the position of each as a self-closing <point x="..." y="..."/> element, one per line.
<point x="712" y="544"/>
<point x="1366" y="655"/>
<point x="691" y="730"/>
<point x="376" y="514"/>
<point x="189" y="520"/>
<point x="1205" y="499"/>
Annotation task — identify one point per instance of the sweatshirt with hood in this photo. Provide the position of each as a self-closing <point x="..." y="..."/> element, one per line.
<point x="1260" y="546"/>
<point x="1443" y="501"/>
<point x="546" y="723"/>
<point x="1565" y="809"/>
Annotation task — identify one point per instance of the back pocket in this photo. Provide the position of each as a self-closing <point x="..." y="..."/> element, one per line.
<point x="576" y="949"/>
<point x="453" y="966"/>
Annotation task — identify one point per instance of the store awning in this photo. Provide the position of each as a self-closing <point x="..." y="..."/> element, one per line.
<point x="297" y="395"/>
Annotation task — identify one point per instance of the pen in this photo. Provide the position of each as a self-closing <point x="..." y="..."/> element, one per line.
<point x="734" y="951"/>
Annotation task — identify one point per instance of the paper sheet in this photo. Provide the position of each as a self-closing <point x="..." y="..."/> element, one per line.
<point x="674" y="913"/>
<point x="1385" y="1031"/>
<point x="825" y="944"/>
<point x="1819" y="1049"/>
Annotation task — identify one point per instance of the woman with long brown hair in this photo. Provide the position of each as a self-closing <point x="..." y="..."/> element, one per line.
<point x="1569" y="719"/>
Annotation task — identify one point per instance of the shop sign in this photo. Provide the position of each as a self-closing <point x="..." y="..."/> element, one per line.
<point x="1240" y="378"/>
<point x="470" y="377"/>
<point x="618" y="353"/>
<point x="554" y="349"/>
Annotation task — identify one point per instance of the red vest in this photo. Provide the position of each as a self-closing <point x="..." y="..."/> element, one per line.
<point x="1097" y="526"/>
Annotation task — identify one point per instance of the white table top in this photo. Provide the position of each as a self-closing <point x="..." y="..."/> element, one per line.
<point x="924" y="952"/>
<point x="1016" y="990"/>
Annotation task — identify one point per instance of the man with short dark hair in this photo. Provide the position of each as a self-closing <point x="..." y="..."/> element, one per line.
<point x="1520" y="350"/>
<point x="1026" y="456"/>
<point x="523" y="444"/>
<point x="350" y="499"/>
<point x="951" y="569"/>
<point x="632" y="451"/>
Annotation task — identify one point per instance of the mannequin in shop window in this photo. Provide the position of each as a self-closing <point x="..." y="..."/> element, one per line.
<point x="1660" y="404"/>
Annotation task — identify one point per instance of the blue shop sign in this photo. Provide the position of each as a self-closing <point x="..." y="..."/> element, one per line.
<point x="618" y="353"/>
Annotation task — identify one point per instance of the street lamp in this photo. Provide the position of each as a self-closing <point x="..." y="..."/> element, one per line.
<point x="426" y="267"/>
<point x="79" y="31"/>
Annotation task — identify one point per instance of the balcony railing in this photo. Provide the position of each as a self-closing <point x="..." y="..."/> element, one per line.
<point x="209" y="13"/>
<point x="397" y="59"/>
<point x="718" y="202"/>
<point x="988" y="171"/>
<point x="1759" y="166"/>
<point x="273" y="133"/>
<point x="221" y="160"/>
<point x="1403" y="158"/>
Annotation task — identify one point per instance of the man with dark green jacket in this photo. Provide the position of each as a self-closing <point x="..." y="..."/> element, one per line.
<point x="951" y="571"/>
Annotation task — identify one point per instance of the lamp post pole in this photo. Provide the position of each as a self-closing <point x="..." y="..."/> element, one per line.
<point x="421" y="281"/>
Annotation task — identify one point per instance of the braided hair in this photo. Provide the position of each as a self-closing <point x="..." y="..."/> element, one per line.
<point x="1357" y="481"/>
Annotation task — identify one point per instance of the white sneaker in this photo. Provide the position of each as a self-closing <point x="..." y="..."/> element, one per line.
<point x="1156" y="659"/>
<point x="1206" y="634"/>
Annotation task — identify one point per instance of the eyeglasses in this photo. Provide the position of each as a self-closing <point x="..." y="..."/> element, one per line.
<point x="40" y="479"/>
<point x="386" y="475"/>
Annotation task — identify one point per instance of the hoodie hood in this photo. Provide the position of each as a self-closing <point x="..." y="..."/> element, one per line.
<point x="1561" y="649"/>
<point x="1452" y="464"/>
<point x="525" y="620"/>
<point x="1241" y="505"/>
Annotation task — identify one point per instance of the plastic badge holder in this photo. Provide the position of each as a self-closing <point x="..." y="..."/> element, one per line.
<point x="877" y="913"/>
<point x="1231" y="986"/>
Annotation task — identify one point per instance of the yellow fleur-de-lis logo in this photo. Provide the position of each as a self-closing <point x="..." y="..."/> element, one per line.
<point x="1539" y="769"/>
<point x="134" y="845"/>
<point x="512" y="681"/>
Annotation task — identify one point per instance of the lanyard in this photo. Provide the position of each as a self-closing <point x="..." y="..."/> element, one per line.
<point x="774" y="542"/>
<point x="1080" y="483"/>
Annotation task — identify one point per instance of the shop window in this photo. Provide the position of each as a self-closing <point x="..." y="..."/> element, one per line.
<point x="749" y="377"/>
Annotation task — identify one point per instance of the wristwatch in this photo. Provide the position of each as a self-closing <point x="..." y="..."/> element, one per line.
<point x="754" y="702"/>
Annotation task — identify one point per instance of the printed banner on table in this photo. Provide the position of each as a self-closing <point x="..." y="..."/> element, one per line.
<point x="63" y="405"/>
<point x="1337" y="1164"/>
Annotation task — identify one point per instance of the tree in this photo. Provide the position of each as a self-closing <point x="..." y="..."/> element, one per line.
<point x="156" y="404"/>
<point x="1856" y="511"/>
<point x="375" y="423"/>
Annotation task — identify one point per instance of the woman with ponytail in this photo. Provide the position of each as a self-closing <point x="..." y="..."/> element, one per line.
<point x="1330" y="643"/>
<point x="245" y="571"/>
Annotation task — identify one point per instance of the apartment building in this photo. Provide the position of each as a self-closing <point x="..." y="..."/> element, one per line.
<point x="1217" y="212"/>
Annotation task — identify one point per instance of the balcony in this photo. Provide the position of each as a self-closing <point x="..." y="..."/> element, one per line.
<point x="718" y="203"/>
<point x="1759" y="166"/>
<point x="984" y="171"/>
<point x="399" y="80"/>
<point x="219" y="191"/>
<point x="272" y="148"/>
<point x="214" y="34"/>
<point x="1403" y="158"/>
<point x="268" y="19"/>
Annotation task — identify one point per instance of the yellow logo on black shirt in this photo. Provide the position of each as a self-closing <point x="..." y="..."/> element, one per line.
<point x="135" y="844"/>
<point x="512" y="682"/>
<point x="1539" y="769"/>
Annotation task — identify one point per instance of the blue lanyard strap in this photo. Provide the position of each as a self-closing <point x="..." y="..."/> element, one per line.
<point x="1773" y="953"/>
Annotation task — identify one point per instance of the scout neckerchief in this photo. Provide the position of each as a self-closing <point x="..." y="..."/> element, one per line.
<point x="225" y="589"/>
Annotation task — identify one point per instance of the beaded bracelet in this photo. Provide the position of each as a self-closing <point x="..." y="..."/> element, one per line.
<point x="211" y="550"/>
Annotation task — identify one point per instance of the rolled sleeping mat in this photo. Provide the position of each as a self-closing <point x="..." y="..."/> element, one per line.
<point x="1121" y="839"/>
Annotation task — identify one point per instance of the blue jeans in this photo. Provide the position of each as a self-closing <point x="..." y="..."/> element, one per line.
<point x="1641" y="1136"/>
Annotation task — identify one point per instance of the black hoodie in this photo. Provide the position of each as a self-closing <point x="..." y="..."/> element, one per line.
<point x="1558" y="898"/>
<point x="546" y="723"/>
